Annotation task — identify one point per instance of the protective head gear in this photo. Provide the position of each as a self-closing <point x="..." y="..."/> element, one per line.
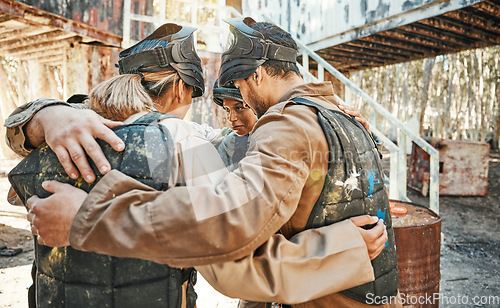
<point x="229" y="91"/>
<point x="248" y="50"/>
<point x="170" y="47"/>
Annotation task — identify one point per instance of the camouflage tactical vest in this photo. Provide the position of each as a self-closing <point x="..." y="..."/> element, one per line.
<point x="354" y="186"/>
<point x="71" y="278"/>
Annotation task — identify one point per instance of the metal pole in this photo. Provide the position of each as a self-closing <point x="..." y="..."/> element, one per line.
<point x="402" y="164"/>
<point x="194" y="19"/>
<point x="126" y="23"/>
<point x="434" y="183"/>
<point x="162" y="17"/>
<point x="305" y="61"/>
<point x="321" y="72"/>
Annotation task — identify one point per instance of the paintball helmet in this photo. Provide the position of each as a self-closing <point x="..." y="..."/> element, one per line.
<point x="229" y="91"/>
<point x="170" y="47"/>
<point x="247" y="50"/>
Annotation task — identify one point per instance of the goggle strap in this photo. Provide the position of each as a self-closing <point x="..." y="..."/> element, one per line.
<point x="156" y="69"/>
<point x="278" y="52"/>
<point x="161" y="53"/>
<point x="145" y="59"/>
<point x="158" y="57"/>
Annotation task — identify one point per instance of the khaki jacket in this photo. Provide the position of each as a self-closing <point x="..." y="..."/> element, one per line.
<point x="275" y="187"/>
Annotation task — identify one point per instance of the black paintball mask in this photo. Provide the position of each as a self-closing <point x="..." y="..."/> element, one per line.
<point x="229" y="91"/>
<point x="170" y="47"/>
<point x="248" y="50"/>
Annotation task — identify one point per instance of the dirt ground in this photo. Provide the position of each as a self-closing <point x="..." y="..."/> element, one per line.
<point x="470" y="251"/>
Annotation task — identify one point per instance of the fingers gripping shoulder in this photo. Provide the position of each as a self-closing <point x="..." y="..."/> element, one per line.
<point x="25" y="112"/>
<point x="14" y="123"/>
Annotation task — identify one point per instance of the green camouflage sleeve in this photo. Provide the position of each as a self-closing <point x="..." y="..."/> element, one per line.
<point x="15" y="136"/>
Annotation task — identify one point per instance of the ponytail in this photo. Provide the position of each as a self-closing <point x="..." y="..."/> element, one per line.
<point x="122" y="96"/>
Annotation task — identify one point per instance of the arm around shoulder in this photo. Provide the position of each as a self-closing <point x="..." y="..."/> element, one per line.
<point x="17" y="138"/>
<point x="198" y="225"/>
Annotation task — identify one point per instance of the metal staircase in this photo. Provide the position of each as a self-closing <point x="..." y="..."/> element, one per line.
<point x="398" y="160"/>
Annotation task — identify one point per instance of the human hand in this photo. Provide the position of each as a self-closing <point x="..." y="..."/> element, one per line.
<point x="51" y="218"/>
<point x="375" y="237"/>
<point x="355" y="113"/>
<point x="71" y="133"/>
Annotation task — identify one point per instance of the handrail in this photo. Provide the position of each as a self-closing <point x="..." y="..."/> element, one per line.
<point x="403" y="130"/>
<point x="394" y="192"/>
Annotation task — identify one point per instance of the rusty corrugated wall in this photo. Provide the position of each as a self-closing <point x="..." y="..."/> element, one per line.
<point x="104" y="15"/>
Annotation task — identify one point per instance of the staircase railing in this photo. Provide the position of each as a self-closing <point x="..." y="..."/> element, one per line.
<point x="398" y="161"/>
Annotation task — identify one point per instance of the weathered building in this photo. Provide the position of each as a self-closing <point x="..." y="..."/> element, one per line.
<point x="45" y="54"/>
<point x="59" y="48"/>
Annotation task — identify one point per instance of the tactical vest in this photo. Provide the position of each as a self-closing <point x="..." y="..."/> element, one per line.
<point x="71" y="278"/>
<point x="354" y="186"/>
<point x="233" y="148"/>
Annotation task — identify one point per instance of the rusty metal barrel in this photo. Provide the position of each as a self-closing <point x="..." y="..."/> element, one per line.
<point x="418" y="242"/>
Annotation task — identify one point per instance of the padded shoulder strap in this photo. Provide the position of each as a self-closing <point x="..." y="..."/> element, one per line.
<point x="321" y="109"/>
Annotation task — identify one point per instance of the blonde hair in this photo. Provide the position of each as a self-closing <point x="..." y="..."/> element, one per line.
<point x="122" y="96"/>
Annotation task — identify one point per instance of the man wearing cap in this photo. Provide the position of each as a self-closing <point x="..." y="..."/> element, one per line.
<point x="275" y="187"/>
<point x="261" y="62"/>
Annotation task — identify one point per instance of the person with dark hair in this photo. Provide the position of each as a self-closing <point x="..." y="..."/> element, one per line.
<point x="275" y="186"/>
<point x="261" y="62"/>
<point x="242" y="118"/>
<point x="233" y="147"/>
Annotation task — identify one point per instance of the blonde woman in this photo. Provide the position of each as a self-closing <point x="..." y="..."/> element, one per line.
<point x="141" y="97"/>
<point x="162" y="73"/>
